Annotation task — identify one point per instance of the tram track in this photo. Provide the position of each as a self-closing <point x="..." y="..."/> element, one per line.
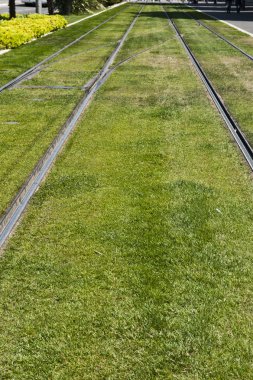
<point x="140" y="219"/>
<point x="236" y="47"/>
<point x="231" y="124"/>
<point x="22" y="198"/>
<point x="36" y="68"/>
<point x="18" y="205"/>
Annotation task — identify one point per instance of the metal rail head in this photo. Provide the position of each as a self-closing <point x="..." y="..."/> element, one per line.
<point x="233" y="127"/>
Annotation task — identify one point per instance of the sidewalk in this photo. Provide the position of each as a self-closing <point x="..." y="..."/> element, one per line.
<point x="242" y="21"/>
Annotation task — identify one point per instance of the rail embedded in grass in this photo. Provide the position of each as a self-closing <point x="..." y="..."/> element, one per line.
<point x="36" y="67"/>
<point x="219" y="36"/>
<point x="53" y="94"/>
<point x="229" y="71"/>
<point x="233" y="127"/>
<point x="19" y="204"/>
<point x="78" y="64"/>
<point x="133" y="254"/>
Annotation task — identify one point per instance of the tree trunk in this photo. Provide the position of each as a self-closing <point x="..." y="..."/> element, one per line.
<point x="12" y="8"/>
<point x="67" y="7"/>
<point x="50" y="6"/>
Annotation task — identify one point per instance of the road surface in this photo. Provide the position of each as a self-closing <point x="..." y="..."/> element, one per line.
<point x="20" y="7"/>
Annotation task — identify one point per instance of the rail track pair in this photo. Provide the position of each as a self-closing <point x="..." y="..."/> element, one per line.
<point x="20" y="202"/>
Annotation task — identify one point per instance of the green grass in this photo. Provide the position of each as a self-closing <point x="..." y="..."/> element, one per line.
<point x="78" y="64"/>
<point x="18" y="60"/>
<point x="30" y="118"/>
<point x="229" y="71"/>
<point x="151" y="32"/>
<point x="134" y="260"/>
<point x="25" y="136"/>
<point x="241" y="39"/>
<point x="72" y="18"/>
<point x="76" y="17"/>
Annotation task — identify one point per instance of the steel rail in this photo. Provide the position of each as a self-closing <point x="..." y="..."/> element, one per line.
<point x="36" y="67"/>
<point x="219" y="36"/>
<point x="21" y="200"/>
<point x="132" y="56"/>
<point x="233" y="127"/>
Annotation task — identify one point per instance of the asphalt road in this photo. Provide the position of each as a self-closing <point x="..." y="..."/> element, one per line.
<point x="20" y="7"/>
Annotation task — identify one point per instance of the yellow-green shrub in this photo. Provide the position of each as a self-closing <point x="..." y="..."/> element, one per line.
<point x="18" y="31"/>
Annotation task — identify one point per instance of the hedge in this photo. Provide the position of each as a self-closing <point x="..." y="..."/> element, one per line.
<point x="18" y="31"/>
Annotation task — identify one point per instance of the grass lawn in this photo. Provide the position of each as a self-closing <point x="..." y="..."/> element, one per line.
<point x="72" y="18"/>
<point x="31" y="117"/>
<point x="134" y="260"/>
<point x="230" y="72"/>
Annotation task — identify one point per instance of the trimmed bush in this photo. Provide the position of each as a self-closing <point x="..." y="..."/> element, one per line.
<point x="18" y="31"/>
